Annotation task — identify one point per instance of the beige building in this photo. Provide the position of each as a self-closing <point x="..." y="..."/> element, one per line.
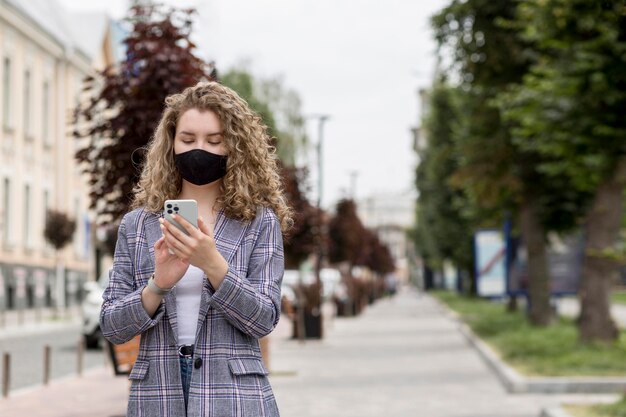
<point x="391" y="215"/>
<point x="41" y="72"/>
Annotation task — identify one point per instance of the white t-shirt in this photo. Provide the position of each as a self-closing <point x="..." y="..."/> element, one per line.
<point x="188" y="291"/>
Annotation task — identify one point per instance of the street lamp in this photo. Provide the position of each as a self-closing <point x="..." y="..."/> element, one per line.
<point x="321" y="118"/>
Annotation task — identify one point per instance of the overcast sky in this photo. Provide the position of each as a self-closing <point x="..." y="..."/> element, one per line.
<point x="359" y="61"/>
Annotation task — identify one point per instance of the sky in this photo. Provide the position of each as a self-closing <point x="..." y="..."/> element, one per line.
<point x="361" y="62"/>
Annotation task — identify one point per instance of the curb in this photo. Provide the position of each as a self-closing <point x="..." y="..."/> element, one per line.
<point x="554" y="412"/>
<point x="33" y="329"/>
<point x="516" y="383"/>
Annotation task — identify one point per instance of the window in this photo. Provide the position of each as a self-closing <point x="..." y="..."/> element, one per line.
<point x="45" y="113"/>
<point x="28" y="129"/>
<point x="6" y="227"/>
<point x="6" y="89"/>
<point x="81" y="236"/>
<point x="28" y="229"/>
<point x="46" y="207"/>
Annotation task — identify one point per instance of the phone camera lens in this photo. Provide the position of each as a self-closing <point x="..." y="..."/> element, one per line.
<point x="169" y="206"/>
<point x="175" y="208"/>
<point x="169" y="211"/>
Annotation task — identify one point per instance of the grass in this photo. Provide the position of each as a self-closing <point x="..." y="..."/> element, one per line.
<point x="533" y="351"/>
<point x="619" y="297"/>
<point x="617" y="409"/>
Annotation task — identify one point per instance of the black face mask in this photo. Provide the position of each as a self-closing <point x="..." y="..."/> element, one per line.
<point x="200" y="167"/>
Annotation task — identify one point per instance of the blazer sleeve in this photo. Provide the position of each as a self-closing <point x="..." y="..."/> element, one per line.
<point x="122" y="316"/>
<point x="252" y="303"/>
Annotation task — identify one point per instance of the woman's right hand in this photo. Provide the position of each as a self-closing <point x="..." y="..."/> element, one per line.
<point x="169" y="269"/>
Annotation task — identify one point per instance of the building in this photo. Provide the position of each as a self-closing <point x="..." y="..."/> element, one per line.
<point x="43" y="65"/>
<point x="391" y="216"/>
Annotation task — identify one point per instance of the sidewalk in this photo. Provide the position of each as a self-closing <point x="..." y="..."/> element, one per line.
<point x="28" y="322"/>
<point x="402" y="357"/>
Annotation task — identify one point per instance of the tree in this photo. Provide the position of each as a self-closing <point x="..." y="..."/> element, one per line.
<point x="58" y="232"/>
<point x="242" y="81"/>
<point x="443" y="210"/>
<point x="280" y="108"/>
<point x="59" y="229"/>
<point x="267" y="98"/>
<point x="126" y="101"/>
<point x="302" y="239"/>
<point x="376" y="255"/>
<point x="570" y="109"/>
<point x="500" y="177"/>
<point x="346" y="234"/>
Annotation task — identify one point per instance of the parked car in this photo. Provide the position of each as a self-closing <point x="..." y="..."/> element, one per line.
<point x="91" y="306"/>
<point x="331" y="279"/>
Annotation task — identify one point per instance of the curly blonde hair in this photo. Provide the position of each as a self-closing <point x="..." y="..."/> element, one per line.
<point x="252" y="173"/>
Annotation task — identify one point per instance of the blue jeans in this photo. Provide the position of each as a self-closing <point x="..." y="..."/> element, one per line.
<point x="186" y="366"/>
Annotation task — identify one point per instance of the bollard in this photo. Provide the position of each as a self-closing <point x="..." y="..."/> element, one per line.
<point x="46" y="364"/>
<point x="6" y="374"/>
<point x="80" y="355"/>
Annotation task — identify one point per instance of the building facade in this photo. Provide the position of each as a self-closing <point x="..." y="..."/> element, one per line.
<point x="41" y="73"/>
<point x="391" y="216"/>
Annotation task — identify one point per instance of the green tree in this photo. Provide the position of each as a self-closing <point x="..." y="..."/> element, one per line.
<point x="279" y="107"/>
<point x="443" y="227"/>
<point x="571" y="109"/>
<point x="126" y="101"/>
<point x="489" y="57"/>
<point x="499" y="177"/>
<point x="242" y="81"/>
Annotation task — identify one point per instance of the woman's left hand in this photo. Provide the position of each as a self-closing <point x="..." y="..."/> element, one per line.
<point x="198" y="248"/>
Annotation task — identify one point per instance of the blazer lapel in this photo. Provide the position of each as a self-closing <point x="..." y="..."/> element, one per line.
<point x="228" y="235"/>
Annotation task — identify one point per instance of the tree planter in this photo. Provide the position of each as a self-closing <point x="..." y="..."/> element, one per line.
<point x="345" y="308"/>
<point x="312" y="326"/>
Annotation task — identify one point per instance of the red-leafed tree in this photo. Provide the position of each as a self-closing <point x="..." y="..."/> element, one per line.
<point x="346" y="234"/>
<point x="126" y="100"/>
<point x="375" y="254"/>
<point x="303" y="238"/>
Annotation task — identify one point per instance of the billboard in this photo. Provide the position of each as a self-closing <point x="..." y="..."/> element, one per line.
<point x="565" y="262"/>
<point x="490" y="254"/>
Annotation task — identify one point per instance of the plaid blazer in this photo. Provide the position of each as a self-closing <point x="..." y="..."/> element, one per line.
<point x="229" y="378"/>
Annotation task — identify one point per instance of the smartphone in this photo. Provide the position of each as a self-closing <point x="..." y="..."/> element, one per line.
<point x="187" y="209"/>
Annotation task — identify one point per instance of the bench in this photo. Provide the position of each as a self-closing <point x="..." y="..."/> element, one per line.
<point x="123" y="356"/>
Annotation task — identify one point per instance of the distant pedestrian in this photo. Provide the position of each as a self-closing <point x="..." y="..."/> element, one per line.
<point x="201" y="301"/>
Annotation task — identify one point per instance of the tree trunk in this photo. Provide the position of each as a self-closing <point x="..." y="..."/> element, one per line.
<point x="60" y="287"/>
<point x="533" y="235"/>
<point x="601" y="232"/>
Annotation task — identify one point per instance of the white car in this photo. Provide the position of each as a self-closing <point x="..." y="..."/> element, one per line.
<point x="91" y="306"/>
<point x="331" y="280"/>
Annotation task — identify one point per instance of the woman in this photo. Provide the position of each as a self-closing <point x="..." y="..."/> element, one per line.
<point x="201" y="302"/>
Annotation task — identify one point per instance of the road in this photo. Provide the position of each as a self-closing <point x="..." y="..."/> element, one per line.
<point x="27" y="355"/>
